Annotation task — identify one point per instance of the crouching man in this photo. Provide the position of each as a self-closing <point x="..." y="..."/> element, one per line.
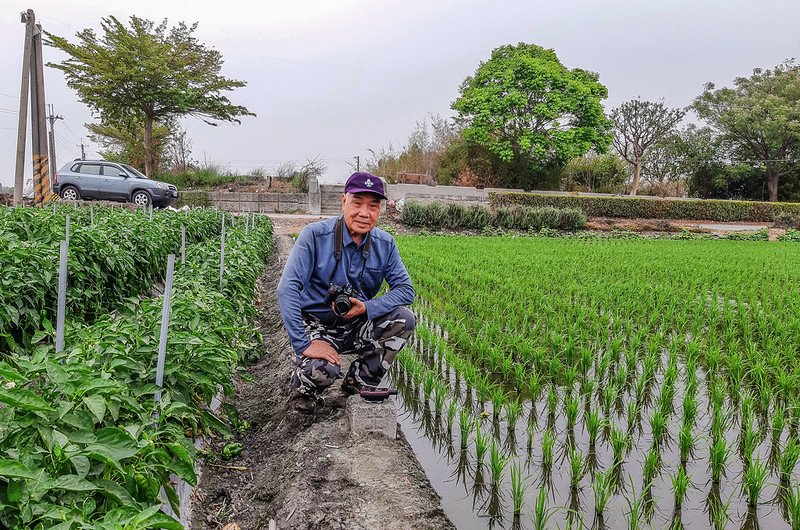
<point x="327" y="297"/>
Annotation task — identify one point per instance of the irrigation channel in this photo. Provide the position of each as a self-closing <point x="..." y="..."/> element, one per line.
<point x="640" y="384"/>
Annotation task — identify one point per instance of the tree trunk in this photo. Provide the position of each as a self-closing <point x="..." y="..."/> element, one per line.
<point x="148" y="145"/>
<point x="637" y="173"/>
<point x="772" y="184"/>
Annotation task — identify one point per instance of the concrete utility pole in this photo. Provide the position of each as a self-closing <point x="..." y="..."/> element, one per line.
<point x="83" y="151"/>
<point x="29" y="20"/>
<point x="358" y="163"/>
<point x="52" y="136"/>
<point x="41" y="165"/>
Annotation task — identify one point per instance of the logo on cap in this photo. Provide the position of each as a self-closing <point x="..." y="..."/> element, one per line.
<point x="368" y="183"/>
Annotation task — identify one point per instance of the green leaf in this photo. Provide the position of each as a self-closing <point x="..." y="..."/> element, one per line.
<point x="14" y="491"/>
<point x="113" y="445"/>
<point x="114" y="491"/>
<point x="96" y="405"/>
<point x="23" y="399"/>
<point x="81" y="465"/>
<point x="72" y="483"/>
<point x="12" y="468"/>
<point x="182" y="465"/>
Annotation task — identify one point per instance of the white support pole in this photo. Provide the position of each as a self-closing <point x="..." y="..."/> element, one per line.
<point x="151" y="212"/>
<point x="62" y="296"/>
<point x="183" y="245"/>
<point x="91" y="215"/>
<point x="222" y="253"/>
<point x="66" y="233"/>
<point x="162" y="342"/>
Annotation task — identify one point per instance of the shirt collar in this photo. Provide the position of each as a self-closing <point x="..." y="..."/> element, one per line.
<point x="347" y="238"/>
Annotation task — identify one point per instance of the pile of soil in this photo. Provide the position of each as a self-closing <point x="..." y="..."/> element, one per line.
<point x="308" y="472"/>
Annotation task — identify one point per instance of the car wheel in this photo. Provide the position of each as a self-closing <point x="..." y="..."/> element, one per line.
<point x="70" y="193"/>
<point x="141" y="199"/>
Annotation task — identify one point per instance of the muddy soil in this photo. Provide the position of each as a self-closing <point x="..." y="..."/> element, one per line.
<point x="307" y="472"/>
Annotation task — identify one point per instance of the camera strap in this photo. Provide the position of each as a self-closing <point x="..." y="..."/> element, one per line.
<point x="338" y="234"/>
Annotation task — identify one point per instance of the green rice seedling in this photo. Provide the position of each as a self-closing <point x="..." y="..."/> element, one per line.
<point x="619" y="445"/>
<point x="440" y="393"/>
<point x="787" y="460"/>
<point x="636" y="509"/>
<point x="534" y="385"/>
<point x="652" y="465"/>
<point x="658" y="426"/>
<point x="750" y="439"/>
<point x="689" y="409"/>
<point x="680" y="485"/>
<point x="570" y="374"/>
<point x="778" y="422"/>
<point x="719" y="513"/>
<point x="594" y="422"/>
<point x="428" y="384"/>
<point x="481" y="443"/>
<point x="720" y="451"/>
<point x="686" y="441"/>
<point x="576" y="467"/>
<point x="632" y="413"/>
<point x="552" y="401"/>
<point x="513" y="412"/>
<point x="518" y="488"/>
<point x="498" y="397"/>
<point x="793" y="506"/>
<point x="755" y="477"/>
<point x="541" y="514"/>
<point x="609" y="394"/>
<point x="603" y="486"/>
<point x="571" y="406"/>
<point x="452" y="410"/>
<point x="497" y="462"/>
<point x="465" y="425"/>
<point x="548" y="444"/>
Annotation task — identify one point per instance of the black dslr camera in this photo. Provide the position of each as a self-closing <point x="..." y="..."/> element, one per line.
<point x="340" y="298"/>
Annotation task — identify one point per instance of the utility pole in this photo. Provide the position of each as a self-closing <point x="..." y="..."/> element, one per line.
<point x="41" y="165"/>
<point x="83" y="151"/>
<point x="52" y="135"/>
<point x="29" y="20"/>
<point x="358" y="163"/>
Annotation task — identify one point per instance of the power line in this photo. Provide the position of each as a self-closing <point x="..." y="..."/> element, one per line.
<point x="72" y="133"/>
<point x="9" y="96"/>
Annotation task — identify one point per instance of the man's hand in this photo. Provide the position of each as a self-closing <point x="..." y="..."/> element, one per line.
<point x="358" y="308"/>
<point x="320" y="349"/>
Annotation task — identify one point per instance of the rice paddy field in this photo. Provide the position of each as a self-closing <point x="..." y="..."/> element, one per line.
<point x="563" y="382"/>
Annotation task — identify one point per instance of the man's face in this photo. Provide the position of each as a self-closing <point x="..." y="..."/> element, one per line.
<point x="361" y="212"/>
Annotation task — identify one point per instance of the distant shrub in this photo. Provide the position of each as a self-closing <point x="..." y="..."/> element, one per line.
<point x="456" y="216"/>
<point x="651" y="208"/>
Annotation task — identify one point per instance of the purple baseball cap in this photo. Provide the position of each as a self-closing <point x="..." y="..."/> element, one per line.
<point x="363" y="182"/>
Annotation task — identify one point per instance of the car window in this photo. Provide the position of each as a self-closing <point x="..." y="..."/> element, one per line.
<point x="112" y="171"/>
<point x="89" y="169"/>
<point x="133" y="171"/>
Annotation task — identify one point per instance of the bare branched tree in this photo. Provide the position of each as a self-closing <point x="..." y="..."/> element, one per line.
<point x="637" y="126"/>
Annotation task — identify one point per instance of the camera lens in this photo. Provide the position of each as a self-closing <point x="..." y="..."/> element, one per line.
<point x="342" y="305"/>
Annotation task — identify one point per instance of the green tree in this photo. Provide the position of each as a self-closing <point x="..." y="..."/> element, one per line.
<point x="125" y="142"/>
<point x="147" y="73"/>
<point x="638" y="125"/>
<point x="759" y="118"/>
<point x="532" y="112"/>
<point x="595" y="173"/>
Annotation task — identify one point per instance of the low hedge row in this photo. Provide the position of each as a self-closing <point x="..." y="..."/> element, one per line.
<point x="457" y="216"/>
<point x="651" y="208"/>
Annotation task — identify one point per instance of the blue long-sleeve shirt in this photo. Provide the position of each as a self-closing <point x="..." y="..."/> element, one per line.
<point x="304" y="283"/>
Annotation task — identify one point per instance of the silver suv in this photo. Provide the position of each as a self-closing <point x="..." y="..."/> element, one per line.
<point x="100" y="179"/>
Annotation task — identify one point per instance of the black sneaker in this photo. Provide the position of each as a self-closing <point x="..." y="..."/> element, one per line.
<point x="305" y="404"/>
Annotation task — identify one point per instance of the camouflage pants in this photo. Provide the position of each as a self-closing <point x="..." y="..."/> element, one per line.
<point x="375" y="342"/>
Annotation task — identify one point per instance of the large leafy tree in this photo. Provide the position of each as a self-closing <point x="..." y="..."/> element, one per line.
<point x="638" y="125"/>
<point x="147" y="73"/>
<point x="759" y="119"/>
<point x="531" y="111"/>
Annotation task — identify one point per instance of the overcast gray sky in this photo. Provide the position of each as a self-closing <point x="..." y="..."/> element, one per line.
<point x="335" y="78"/>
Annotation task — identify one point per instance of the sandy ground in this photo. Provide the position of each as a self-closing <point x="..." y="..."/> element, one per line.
<point x="307" y="472"/>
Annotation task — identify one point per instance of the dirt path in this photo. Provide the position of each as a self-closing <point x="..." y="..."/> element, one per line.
<point x="308" y="472"/>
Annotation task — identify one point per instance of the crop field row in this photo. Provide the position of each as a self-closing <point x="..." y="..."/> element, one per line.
<point x="83" y="441"/>
<point x="609" y="383"/>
